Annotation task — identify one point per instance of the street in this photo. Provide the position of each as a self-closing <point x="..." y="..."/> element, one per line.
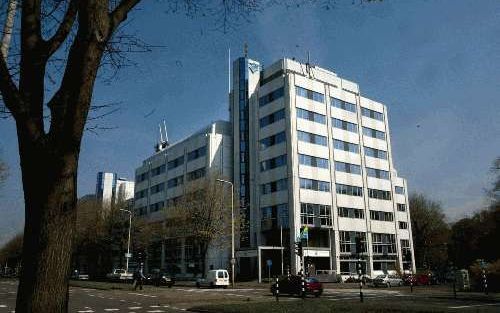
<point x="182" y="298"/>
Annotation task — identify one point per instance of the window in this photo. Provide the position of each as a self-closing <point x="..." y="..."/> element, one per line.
<point x="158" y="170"/>
<point x="375" y="153"/>
<point x="312" y="138"/>
<point x="175" y="162"/>
<point x="141" y="194"/>
<point x="311" y="116"/>
<point x="403" y="225"/>
<point x="196" y="174"/>
<point x="349" y="190"/>
<point x="347" y="168"/>
<point x="271" y="77"/>
<point x="176" y="181"/>
<point x="272" y="118"/>
<point x="274" y="186"/>
<point x="351" y="127"/>
<point x="309" y="94"/>
<point x="379" y="194"/>
<point x="158" y="188"/>
<point x="383" y="243"/>
<point x="345" y="146"/>
<point x="314" y="214"/>
<point x="343" y="105"/>
<point x="351" y="212"/>
<point x="313" y="161"/>
<point x="273" y="163"/>
<point x="272" y="140"/>
<point x="143" y="210"/>
<point x="275" y="216"/>
<point x="316" y="185"/>
<point x="377" y="173"/>
<point x="401" y="207"/>
<point x="370" y="132"/>
<point x="400" y="190"/>
<point x="270" y="97"/>
<point x="198" y="153"/>
<point x="406" y="253"/>
<point x="372" y="114"/>
<point x="141" y="177"/>
<point x="381" y="216"/>
<point x="156" y="206"/>
<point x="348" y="241"/>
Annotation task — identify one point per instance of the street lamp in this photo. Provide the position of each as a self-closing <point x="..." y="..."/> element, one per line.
<point x="232" y="228"/>
<point x="127" y="256"/>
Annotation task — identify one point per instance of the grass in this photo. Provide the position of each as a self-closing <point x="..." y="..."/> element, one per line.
<point x="100" y="285"/>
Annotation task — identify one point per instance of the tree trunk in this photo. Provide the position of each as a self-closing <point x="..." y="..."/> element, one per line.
<point x="8" y="27"/>
<point x="49" y="181"/>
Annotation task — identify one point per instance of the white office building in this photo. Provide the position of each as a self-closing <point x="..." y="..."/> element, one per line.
<point x="311" y="151"/>
<point x="163" y="178"/>
<point x="111" y="189"/>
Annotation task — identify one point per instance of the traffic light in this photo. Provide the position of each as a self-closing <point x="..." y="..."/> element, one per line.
<point x="359" y="245"/>
<point x="298" y="248"/>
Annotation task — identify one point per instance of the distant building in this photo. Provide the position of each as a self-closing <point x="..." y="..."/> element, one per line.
<point x="162" y="178"/>
<point x="111" y="189"/>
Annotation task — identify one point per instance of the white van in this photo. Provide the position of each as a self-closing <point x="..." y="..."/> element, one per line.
<point x="215" y="278"/>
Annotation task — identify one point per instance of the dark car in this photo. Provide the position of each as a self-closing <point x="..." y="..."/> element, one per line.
<point x="161" y="279"/>
<point x="293" y="285"/>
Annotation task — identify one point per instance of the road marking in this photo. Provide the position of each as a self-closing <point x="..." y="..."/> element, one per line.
<point x="154" y="306"/>
<point x="85" y="311"/>
<point x="141" y="294"/>
<point x="155" y="311"/>
<point x="471" y="306"/>
<point x="135" y="307"/>
<point x="109" y="310"/>
<point x="3" y="306"/>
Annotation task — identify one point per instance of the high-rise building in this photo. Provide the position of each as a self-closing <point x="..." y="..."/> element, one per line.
<point x="111" y="189"/>
<point x="165" y="176"/>
<point x="313" y="160"/>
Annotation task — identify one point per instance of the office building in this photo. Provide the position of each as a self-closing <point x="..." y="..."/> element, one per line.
<point x="111" y="189"/>
<point x="310" y="152"/>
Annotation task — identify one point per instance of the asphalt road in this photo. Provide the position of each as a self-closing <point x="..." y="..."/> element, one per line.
<point x="181" y="298"/>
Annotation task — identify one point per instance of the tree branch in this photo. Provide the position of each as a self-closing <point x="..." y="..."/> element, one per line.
<point x="53" y="44"/>
<point x="11" y="96"/>
<point x="119" y="14"/>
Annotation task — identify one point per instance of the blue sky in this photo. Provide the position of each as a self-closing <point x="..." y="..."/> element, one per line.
<point x="435" y="64"/>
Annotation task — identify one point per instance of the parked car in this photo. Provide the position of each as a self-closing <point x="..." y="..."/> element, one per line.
<point x="387" y="280"/>
<point x="160" y="278"/>
<point x="293" y="285"/>
<point x="214" y="278"/>
<point x="120" y="274"/>
<point x="79" y="275"/>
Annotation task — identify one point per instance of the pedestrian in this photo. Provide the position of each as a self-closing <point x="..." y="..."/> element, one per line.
<point x="138" y="279"/>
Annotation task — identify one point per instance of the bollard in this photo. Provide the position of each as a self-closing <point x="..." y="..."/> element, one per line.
<point x="485" y="282"/>
<point x="303" y="286"/>
<point x="411" y="283"/>
<point x="277" y="290"/>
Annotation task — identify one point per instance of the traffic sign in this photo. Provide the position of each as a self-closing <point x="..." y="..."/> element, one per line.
<point x="128" y="255"/>
<point x="269" y="262"/>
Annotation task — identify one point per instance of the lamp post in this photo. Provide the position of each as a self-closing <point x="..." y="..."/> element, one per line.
<point x="128" y="242"/>
<point x="232" y="228"/>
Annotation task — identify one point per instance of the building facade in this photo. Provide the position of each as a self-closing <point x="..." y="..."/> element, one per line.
<point x="165" y="176"/>
<point x="310" y="152"/>
<point x="111" y="189"/>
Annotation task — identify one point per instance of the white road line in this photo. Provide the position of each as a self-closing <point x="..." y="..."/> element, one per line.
<point x="3" y="306"/>
<point x="141" y="294"/>
<point x="85" y="311"/>
<point x="135" y="307"/>
<point x="154" y="306"/>
<point x="110" y="310"/>
<point x="471" y="306"/>
<point x="155" y="311"/>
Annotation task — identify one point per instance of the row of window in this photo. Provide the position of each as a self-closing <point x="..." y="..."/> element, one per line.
<point x="372" y="114"/>
<point x="381" y="216"/>
<point x="315" y="214"/>
<point x="196" y="174"/>
<point x="316" y="185"/>
<point x="272" y="96"/>
<point x="273" y="163"/>
<point x="274" y="216"/>
<point x="176" y="181"/>
<point x="382" y="244"/>
<point x="348" y="126"/>
<point x="312" y="138"/>
<point x="348" y="168"/>
<point x="313" y="161"/>
<point x="351" y="212"/>
<point x="347" y="106"/>
<point x="198" y="153"/>
<point x="272" y="118"/>
<point x="155" y="207"/>
<point x="373" y="133"/>
<point x="175" y="162"/>
<point x="379" y="194"/>
<point x="309" y="94"/>
<point x="377" y="173"/>
<point x="157" y="188"/>
<point x="311" y="116"/>
<point x="274" y="186"/>
<point x="349" y="190"/>
<point x="272" y="140"/>
<point x="158" y="170"/>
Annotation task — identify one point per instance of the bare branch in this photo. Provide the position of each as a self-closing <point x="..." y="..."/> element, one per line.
<point x="119" y="14"/>
<point x="53" y="44"/>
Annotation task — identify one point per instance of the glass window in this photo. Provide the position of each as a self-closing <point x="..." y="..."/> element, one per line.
<point x="176" y="181"/>
<point x="272" y="118"/>
<point x="351" y="212"/>
<point x="343" y="105"/>
<point x="349" y="190"/>
<point x="377" y="173"/>
<point x="311" y="116"/>
<point x="372" y="114"/>
<point x="316" y="185"/>
<point x="400" y="190"/>
<point x="379" y="194"/>
<point x="348" y="126"/>
<point x="401" y="207"/>
<point x="272" y="96"/>
<point x="374" y="153"/>
<point x="403" y="225"/>
<point x="383" y="243"/>
<point x="345" y="146"/>
<point x="198" y="153"/>
<point x="313" y="161"/>
<point x="157" y="188"/>
<point x="347" y="168"/>
<point x="272" y="140"/>
<point x="196" y="174"/>
<point x="312" y="138"/>
<point x="273" y="163"/>
<point x="274" y="186"/>
<point x="370" y="132"/>
<point x="381" y="216"/>
<point x="309" y="94"/>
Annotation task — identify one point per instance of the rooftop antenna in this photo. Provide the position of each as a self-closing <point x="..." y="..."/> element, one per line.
<point x="308" y="63"/>
<point x="245" y="49"/>
<point x="229" y="71"/>
<point x="166" y="135"/>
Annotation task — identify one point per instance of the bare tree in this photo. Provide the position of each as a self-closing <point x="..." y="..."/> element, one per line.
<point x="8" y="28"/>
<point x="201" y="217"/>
